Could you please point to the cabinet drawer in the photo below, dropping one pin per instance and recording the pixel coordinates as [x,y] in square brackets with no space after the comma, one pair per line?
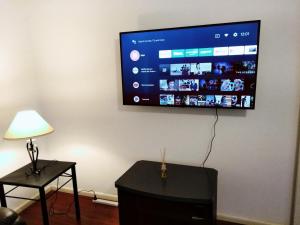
[150,218]
[192,213]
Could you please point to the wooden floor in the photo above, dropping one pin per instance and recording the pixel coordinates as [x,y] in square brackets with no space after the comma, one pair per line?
[91,214]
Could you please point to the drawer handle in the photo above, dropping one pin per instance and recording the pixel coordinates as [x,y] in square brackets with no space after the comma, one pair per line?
[197,218]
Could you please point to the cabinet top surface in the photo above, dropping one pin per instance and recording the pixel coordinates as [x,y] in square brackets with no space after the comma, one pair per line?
[185,183]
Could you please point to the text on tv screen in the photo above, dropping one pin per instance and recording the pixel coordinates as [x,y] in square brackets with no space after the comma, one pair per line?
[199,66]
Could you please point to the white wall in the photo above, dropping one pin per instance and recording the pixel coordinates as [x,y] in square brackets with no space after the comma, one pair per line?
[17,83]
[77,64]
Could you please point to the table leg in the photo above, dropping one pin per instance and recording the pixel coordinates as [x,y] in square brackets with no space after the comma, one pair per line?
[75,191]
[2,196]
[44,206]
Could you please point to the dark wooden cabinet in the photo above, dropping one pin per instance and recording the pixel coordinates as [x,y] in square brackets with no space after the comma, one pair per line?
[188,196]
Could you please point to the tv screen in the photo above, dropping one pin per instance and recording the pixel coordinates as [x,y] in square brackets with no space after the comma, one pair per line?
[200,66]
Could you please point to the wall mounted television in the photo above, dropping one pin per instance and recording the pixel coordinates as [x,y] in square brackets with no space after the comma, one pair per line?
[205,66]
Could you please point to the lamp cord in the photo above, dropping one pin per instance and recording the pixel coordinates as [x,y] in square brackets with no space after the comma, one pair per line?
[53,212]
[212,139]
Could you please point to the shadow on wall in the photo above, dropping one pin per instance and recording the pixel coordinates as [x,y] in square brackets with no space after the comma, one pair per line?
[295,212]
[166,20]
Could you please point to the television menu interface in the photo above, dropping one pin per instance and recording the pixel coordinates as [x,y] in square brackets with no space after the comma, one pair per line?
[202,66]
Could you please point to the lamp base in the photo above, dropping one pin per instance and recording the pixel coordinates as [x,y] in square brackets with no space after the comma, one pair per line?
[33,152]
[35,172]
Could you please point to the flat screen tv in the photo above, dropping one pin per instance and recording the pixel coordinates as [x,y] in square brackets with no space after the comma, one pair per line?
[204,66]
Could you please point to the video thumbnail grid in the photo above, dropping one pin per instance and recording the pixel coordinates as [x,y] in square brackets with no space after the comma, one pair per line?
[209,68]
[223,85]
[225,101]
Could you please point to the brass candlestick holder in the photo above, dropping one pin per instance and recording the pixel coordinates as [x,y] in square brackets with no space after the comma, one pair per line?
[163,169]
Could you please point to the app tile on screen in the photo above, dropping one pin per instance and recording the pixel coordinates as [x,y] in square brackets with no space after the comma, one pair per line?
[189,85]
[166,99]
[201,68]
[238,84]
[210,100]
[180,69]
[164,69]
[227,85]
[222,68]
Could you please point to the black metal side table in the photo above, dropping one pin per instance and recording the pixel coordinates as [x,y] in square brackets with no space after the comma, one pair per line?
[50,170]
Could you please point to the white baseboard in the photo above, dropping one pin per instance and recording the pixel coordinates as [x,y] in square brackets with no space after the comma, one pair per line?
[245,221]
[106,202]
[25,204]
[220,216]
[81,192]
[114,198]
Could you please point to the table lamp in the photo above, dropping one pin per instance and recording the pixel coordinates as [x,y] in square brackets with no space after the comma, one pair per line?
[27,125]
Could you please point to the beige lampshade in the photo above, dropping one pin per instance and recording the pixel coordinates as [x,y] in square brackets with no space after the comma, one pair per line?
[27,124]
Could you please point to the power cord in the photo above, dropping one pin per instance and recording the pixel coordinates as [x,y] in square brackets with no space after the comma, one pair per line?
[212,139]
[53,212]
[94,197]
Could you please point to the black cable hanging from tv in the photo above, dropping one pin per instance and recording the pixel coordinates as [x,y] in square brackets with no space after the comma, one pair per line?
[212,139]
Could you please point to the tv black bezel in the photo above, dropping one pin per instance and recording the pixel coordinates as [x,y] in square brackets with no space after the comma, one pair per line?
[187,27]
